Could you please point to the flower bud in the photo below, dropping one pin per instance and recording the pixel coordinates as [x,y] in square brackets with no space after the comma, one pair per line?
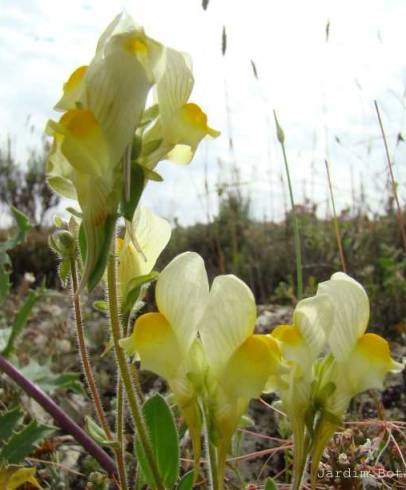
[63,243]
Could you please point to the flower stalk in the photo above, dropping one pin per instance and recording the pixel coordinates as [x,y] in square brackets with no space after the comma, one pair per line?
[88,373]
[124,370]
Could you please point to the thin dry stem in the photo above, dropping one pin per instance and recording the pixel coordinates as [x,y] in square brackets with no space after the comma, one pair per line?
[399,213]
[336,222]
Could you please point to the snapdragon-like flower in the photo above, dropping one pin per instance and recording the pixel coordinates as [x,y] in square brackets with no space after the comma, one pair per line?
[301,344]
[317,391]
[360,361]
[203,344]
[166,341]
[151,234]
[103,105]
[181,124]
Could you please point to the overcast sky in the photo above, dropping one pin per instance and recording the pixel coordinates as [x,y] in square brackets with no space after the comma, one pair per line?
[323,91]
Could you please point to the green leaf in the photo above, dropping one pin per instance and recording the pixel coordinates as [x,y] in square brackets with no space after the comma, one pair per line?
[8,422]
[149,115]
[97,241]
[23,443]
[186,482]
[137,184]
[21,318]
[151,146]
[49,381]
[134,289]
[98,433]
[23,226]
[150,174]
[101,305]
[164,440]
[270,484]
[4,336]
[64,271]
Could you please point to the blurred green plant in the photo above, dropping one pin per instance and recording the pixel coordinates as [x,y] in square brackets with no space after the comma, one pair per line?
[25,187]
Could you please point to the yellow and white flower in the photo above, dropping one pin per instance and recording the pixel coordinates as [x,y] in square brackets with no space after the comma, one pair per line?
[301,343]
[151,234]
[317,390]
[181,124]
[360,360]
[104,103]
[239,361]
[165,341]
[204,345]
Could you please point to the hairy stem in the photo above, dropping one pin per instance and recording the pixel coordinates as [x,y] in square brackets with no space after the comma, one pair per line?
[60,417]
[84,354]
[124,371]
[88,372]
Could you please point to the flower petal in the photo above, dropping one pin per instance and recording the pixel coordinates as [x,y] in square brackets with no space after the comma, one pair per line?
[73,90]
[369,363]
[247,371]
[118,81]
[313,317]
[228,321]
[174,83]
[152,234]
[156,343]
[181,293]
[351,313]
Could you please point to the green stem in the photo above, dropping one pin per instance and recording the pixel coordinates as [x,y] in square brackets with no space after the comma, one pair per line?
[211,454]
[298,253]
[88,373]
[132,397]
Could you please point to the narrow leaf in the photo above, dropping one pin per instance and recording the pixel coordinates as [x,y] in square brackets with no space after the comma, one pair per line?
[23,226]
[186,482]
[98,433]
[134,289]
[137,184]
[164,440]
[101,305]
[21,318]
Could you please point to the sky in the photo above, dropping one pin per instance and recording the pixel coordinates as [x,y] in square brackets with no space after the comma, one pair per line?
[322,89]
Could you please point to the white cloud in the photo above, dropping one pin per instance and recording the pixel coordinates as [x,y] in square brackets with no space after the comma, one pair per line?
[314,85]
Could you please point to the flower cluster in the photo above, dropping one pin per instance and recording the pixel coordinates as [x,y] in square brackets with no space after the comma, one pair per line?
[202,341]
[331,360]
[107,141]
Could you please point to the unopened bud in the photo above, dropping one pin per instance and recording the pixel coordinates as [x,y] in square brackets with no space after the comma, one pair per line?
[63,243]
